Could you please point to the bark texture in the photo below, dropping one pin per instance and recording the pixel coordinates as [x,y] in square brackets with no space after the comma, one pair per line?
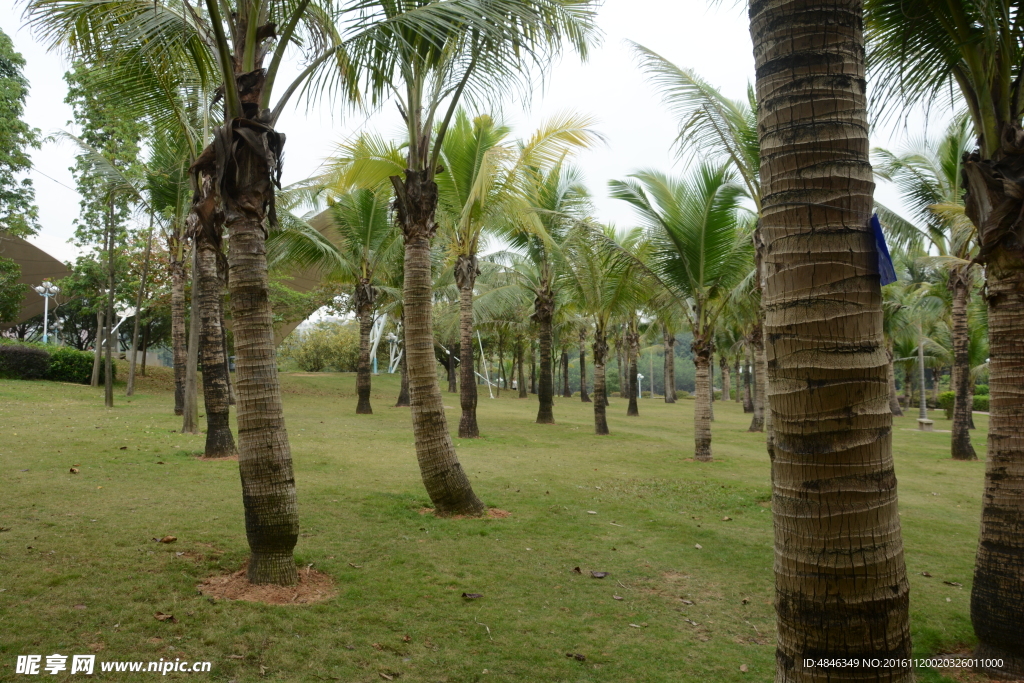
[566,391]
[443,476]
[737,378]
[726,380]
[178,338]
[584,396]
[748,396]
[403,393]
[220,443]
[190,416]
[756,342]
[632,351]
[522,371]
[702,401]
[670,367]
[466,271]
[994,204]
[97,357]
[544,310]
[365,294]
[894,399]
[841,588]
[963,404]
[453,385]
[600,348]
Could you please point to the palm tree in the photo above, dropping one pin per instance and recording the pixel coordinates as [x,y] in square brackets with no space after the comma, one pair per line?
[840,579]
[928,177]
[700,250]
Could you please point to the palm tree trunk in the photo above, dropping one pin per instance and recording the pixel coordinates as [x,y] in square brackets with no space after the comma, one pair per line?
[178,339]
[841,586]
[702,404]
[219,441]
[726,380]
[711,385]
[670,366]
[130,390]
[748,369]
[737,379]
[600,348]
[190,416]
[566,392]
[98,356]
[520,347]
[224,346]
[621,360]
[963,404]
[443,476]
[533,369]
[894,401]
[363,369]
[543,312]
[465,272]
[403,392]
[997,599]
[632,351]
[584,396]
[760,378]
[453,386]
[108,368]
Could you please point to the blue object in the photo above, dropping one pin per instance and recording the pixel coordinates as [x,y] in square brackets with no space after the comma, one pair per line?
[885,268]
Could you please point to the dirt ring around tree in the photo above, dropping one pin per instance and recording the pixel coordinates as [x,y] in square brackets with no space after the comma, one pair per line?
[314,586]
[492,513]
[232,458]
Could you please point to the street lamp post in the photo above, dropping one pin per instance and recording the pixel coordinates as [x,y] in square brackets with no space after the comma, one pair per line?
[640,386]
[46,290]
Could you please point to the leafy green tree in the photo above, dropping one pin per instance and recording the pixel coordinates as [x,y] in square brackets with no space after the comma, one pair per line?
[12,292]
[18,212]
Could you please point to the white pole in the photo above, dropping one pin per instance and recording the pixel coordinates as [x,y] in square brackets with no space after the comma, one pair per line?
[483,359]
[46,316]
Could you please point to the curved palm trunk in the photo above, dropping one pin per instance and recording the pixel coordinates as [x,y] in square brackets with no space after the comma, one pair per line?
[760,379]
[178,338]
[702,404]
[220,442]
[841,588]
[726,380]
[997,599]
[466,271]
[748,400]
[600,348]
[544,307]
[632,351]
[443,477]
[363,367]
[566,392]
[584,396]
[894,400]
[670,367]
[963,404]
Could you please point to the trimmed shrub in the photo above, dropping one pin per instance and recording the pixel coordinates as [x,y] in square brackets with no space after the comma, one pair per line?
[981,403]
[72,365]
[981,390]
[946,401]
[23,362]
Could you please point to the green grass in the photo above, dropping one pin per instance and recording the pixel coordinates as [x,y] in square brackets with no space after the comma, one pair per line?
[85,539]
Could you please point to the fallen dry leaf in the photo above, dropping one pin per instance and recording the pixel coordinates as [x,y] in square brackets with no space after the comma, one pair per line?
[591,512]
[4,528]
[161,462]
[472,596]
[687,602]
[406,639]
[79,606]
[698,546]
[96,647]
[743,668]
[577,657]
[377,646]
[236,656]
[355,566]
[73,470]
[692,622]
[577,570]
[926,574]
[636,625]
[168,539]
[744,601]
[123,448]
[599,575]
[160,616]
[953,583]
[726,519]
[616,597]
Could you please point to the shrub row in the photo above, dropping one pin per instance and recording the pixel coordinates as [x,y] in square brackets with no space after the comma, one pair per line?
[947,399]
[63,364]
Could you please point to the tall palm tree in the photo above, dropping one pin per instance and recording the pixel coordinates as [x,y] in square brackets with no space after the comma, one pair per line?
[841,587]
[701,248]
[928,177]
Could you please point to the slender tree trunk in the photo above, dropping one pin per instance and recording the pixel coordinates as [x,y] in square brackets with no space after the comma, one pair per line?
[443,476]
[220,442]
[178,339]
[622,361]
[108,365]
[533,369]
[566,391]
[145,348]
[224,345]
[632,351]
[922,396]
[737,380]
[669,341]
[403,393]
[364,308]
[908,387]
[760,379]
[997,599]
[466,271]
[726,380]
[450,367]
[702,404]
[543,312]
[190,417]
[97,358]
[138,310]
[841,588]
[963,404]
[600,348]
[748,400]
[520,347]
[711,385]
[894,401]
[584,396]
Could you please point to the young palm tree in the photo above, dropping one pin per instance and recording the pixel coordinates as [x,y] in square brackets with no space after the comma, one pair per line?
[700,250]
[841,587]
[928,177]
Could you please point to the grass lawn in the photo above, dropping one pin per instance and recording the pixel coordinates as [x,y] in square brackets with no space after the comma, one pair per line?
[80,573]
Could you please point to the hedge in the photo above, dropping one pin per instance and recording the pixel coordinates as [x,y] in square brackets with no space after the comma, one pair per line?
[981,403]
[64,364]
[981,390]
[946,401]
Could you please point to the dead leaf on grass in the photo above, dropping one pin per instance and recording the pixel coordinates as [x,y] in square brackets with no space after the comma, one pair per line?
[236,656]
[957,584]
[616,597]
[79,606]
[73,470]
[377,646]
[96,647]
[123,448]
[355,566]
[599,575]
[926,574]
[406,639]
[160,616]
[577,657]
[472,596]
[687,602]
[168,539]
[744,668]
[577,570]
[4,528]
[698,546]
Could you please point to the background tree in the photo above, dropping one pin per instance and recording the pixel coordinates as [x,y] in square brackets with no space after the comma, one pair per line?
[18,212]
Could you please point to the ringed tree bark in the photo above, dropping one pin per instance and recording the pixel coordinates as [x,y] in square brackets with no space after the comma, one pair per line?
[403,393]
[702,349]
[963,404]
[522,371]
[993,203]
[584,396]
[670,367]
[726,380]
[220,443]
[632,338]
[600,348]
[748,368]
[894,400]
[365,295]
[841,588]
[543,312]
[446,482]
[466,272]
[736,376]
[178,338]
[566,392]
[98,355]
[756,343]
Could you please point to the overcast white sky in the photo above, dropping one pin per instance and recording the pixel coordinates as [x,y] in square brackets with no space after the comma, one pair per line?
[639,132]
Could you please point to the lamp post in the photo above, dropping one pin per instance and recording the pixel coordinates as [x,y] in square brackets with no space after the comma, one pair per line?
[392,340]
[46,290]
[640,385]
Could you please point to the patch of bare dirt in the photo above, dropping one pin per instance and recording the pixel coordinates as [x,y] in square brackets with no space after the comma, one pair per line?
[232,458]
[313,586]
[492,513]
